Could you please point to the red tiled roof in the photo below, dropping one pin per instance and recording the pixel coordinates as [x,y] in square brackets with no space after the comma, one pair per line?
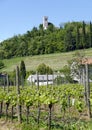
[87,61]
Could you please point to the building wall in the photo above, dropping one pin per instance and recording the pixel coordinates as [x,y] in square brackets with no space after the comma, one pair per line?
[45,22]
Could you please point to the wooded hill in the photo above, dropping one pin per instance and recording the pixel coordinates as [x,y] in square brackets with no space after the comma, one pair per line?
[68,37]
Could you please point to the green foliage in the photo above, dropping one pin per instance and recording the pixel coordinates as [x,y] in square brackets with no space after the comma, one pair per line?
[73,67]
[1,65]
[79,125]
[12,77]
[83,35]
[90,35]
[44,69]
[59,80]
[29,127]
[67,73]
[79,106]
[22,69]
[48,96]
[2,95]
[74,35]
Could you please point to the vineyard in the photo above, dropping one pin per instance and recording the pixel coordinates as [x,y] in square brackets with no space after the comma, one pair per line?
[65,106]
[43,106]
[61,107]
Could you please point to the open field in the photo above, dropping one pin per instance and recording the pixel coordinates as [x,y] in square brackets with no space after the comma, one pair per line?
[55,61]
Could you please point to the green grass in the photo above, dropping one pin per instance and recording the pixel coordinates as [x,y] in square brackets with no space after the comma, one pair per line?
[90,125]
[55,61]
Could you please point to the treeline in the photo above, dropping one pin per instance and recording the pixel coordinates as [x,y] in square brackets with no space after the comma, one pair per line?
[68,37]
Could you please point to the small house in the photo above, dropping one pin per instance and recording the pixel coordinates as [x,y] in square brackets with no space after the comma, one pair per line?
[42,79]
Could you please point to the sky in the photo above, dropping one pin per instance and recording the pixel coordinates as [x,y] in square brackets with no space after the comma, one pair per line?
[19,16]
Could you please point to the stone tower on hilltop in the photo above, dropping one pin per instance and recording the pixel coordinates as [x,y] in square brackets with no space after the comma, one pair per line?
[45,22]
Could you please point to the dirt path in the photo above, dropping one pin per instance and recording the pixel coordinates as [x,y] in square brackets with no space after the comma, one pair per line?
[7,125]
[3,125]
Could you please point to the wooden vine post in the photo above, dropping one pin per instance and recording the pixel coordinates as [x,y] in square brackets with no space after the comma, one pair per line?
[85,63]
[84,83]
[38,113]
[18,95]
[7,103]
[88,90]
[7,83]
[47,80]
[4,79]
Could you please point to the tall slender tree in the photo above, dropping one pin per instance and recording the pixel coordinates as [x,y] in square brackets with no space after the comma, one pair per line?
[22,72]
[77,37]
[68,40]
[90,35]
[83,35]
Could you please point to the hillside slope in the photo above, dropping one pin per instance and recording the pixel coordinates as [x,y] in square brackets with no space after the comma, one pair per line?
[72,36]
[55,61]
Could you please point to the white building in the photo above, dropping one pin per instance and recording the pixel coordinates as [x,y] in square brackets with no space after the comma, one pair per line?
[45,22]
[42,79]
[46,79]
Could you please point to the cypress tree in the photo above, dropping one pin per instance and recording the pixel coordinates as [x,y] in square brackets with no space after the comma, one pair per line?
[83,35]
[22,72]
[77,37]
[90,35]
[22,69]
[68,41]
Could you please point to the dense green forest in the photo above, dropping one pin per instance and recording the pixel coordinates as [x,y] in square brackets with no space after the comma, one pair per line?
[68,37]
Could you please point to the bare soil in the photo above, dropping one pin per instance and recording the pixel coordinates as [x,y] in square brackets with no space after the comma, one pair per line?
[6,125]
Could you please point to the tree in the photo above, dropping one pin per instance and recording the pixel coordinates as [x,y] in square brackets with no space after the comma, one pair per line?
[1,65]
[53,40]
[90,35]
[76,64]
[41,26]
[69,42]
[51,27]
[44,69]
[2,53]
[12,77]
[77,38]
[22,70]
[67,73]
[83,35]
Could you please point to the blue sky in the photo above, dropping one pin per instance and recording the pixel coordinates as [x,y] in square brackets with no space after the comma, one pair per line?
[19,16]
